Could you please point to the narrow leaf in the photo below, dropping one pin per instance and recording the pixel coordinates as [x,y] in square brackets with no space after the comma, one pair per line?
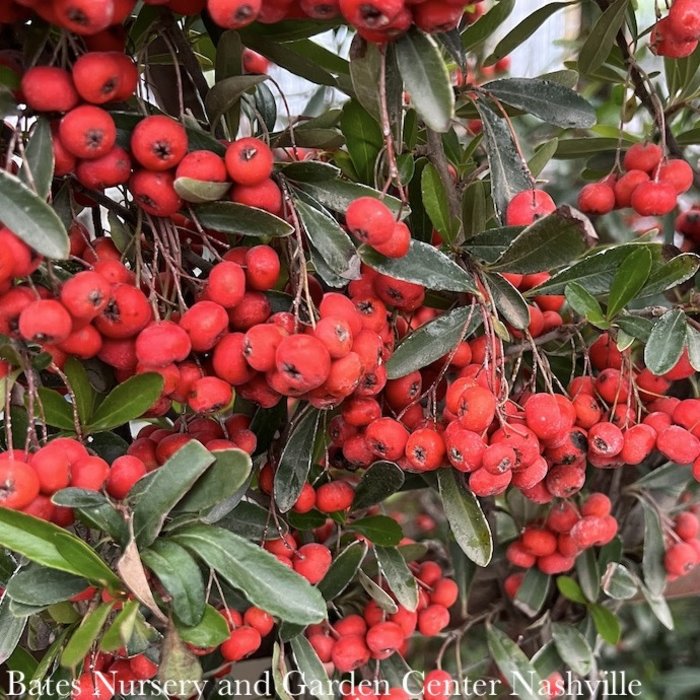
[240,220]
[379,482]
[629,280]
[666,342]
[127,401]
[311,668]
[602,37]
[398,576]
[84,636]
[343,570]
[513,664]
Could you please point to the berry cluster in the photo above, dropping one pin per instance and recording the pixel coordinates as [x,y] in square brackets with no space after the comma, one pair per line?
[650,184]
[683,545]
[676,35]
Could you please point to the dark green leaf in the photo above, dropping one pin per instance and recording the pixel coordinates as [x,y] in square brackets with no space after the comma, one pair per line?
[533,592]
[37,167]
[377,593]
[330,240]
[426,79]
[11,629]
[484,27]
[431,341]
[363,138]
[602,37]
[119,633]
[310,171]
[549,242]
[573,648]
[39,586]
[629,280]
[30,218]
[180,576]
[251,521]
[659,606]
[671,273]
[169,484]
[508,300]
[509,173]
[523,30]
[693,341]
[399,674]
[342,570]
[211,630]
[606,623]
[178,665]
[57,411]
[127,401]
[222,480]
[85,395]
[255,572]
[513,664]
[424,264]
[635,326]
[93,508]
[588,574]
[398,576]
[489,245]
[435,202]
[295,460]
[45,543]
[240,220]
[666,342]
[379,482]
[226,93]
[654,549]
[199,191]
[550,101]
[379,530]
[474,209]
[312,670]
[84,636]
[585,304]
[467,521]
[542,156]
[337,195]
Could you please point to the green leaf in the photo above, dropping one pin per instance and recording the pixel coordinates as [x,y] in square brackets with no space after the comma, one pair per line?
[57,410]
[337,195]
[30,218]
[169,484]
[251,521]
[255,572]
[423,264]
[426,78]
[41,587]
[659,606]
[399,674]
[342,570]
[11,629]
[363,139]
[211,630]
[619,583]
[585,304]
[550,101]
[543,154]
[666,342]
[379,530]
[474,209]
[127,401]
[606,623]
[508,300]
[312,670]
[549,242]
[200,191]
[295,460]
[467,521]
[654,549]
[431,341]
[485,26]
[573,648]
[600,41]
[179,574]
[533,592]
[588,574]
[179,668]
[226,93]
[46,543]
[636,326]
[85,395]
[119,633]
[85,636]
[398,576]
[221,481]
[693,341]
[240,220]
[379,482]
[377,594]
[509,173]
[435,202]
[570,589]
[330,240]
[93,508]
[513,664]
[38,164]
[671,274]
[524,30]
[629,280]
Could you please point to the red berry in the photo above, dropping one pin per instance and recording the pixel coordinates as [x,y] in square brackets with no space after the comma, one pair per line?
[249,161]
[643,156]
[528,206]
[654,198]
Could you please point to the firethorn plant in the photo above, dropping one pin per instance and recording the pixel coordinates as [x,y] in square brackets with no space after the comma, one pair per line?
[372,393]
